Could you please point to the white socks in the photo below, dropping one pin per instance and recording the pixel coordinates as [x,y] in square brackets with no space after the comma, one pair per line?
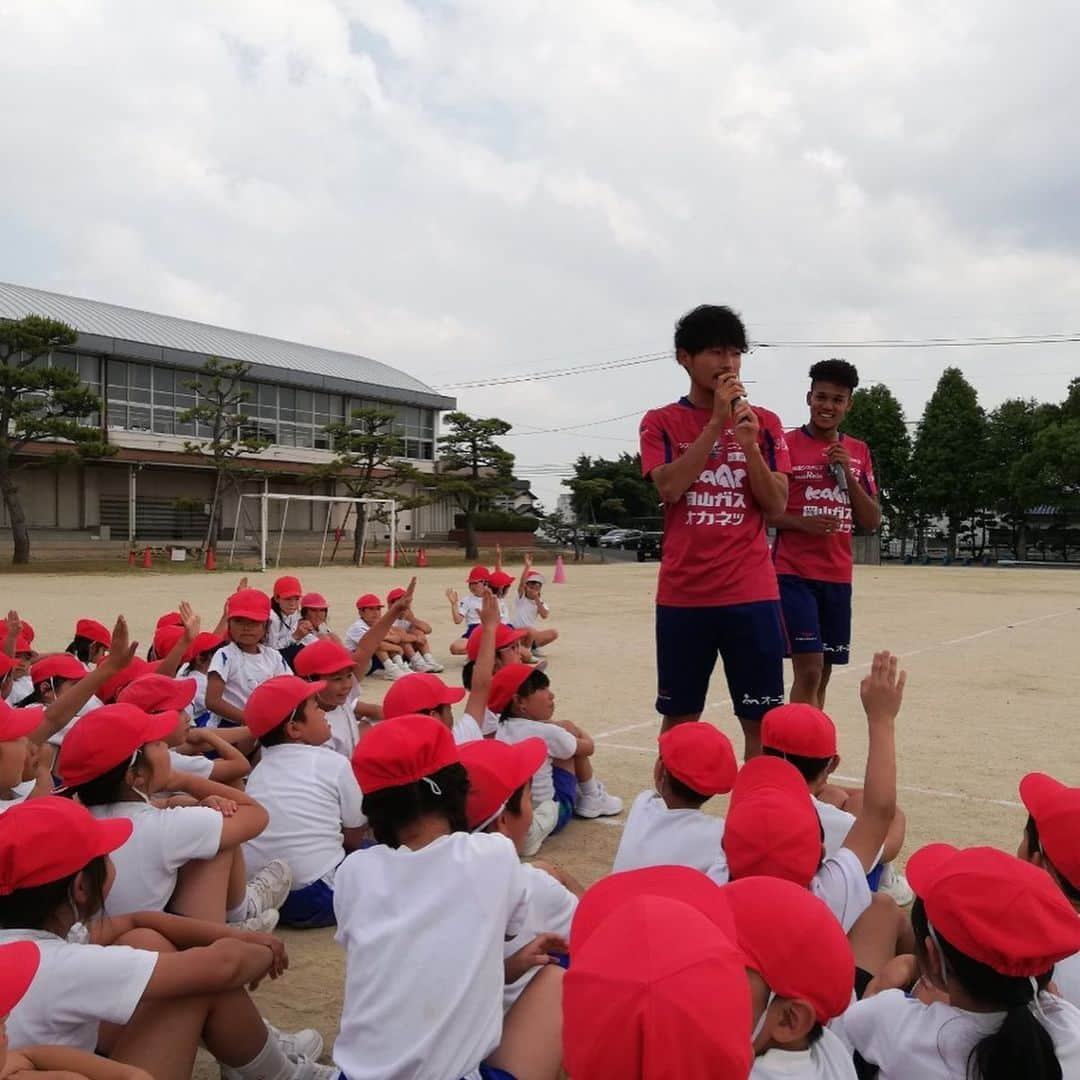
[589,787]
[270,1064]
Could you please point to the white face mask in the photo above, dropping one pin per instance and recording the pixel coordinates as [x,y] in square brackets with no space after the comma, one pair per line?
[761,1019]
[79,934]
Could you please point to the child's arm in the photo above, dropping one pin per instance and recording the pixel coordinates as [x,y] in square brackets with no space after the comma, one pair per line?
[484,668]
[373,640]
[169,664]
[231,764]
[882,693]
[56,1062]
[566,880]
[215,699]
[13,630]
[244,818]
[537,953]
[524,574]
[585,745]
[417,624]
[455,608]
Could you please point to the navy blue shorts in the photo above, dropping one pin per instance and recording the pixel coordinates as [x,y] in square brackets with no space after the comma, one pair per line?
[470,630]
[749,638]
[817,615]
[309,907]
[565,783]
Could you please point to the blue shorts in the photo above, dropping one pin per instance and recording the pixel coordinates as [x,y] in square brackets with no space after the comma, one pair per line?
[565,795]
[749,638]
[309,907]
[817,616]
[470,630]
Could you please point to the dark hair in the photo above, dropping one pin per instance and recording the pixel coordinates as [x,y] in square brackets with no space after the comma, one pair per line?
[815,1033]
[33,907]
[80,648]
[466,674]
[305,610]
[1021,1049]
[709,326]
[839,372]
[276,735]
[1067,887]
[809,767]
[684,792]
[513,804]
[105,789]
[536,680]
[391,809]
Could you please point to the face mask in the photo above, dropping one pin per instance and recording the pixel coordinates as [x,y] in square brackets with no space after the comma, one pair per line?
[79,934]
[761,1019]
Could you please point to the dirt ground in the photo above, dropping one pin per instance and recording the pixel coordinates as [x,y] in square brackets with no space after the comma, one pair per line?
[993,661]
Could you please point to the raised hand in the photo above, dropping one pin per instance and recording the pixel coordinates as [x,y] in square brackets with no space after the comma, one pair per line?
[192,622]
[882,691]
[402,604]
[452,596]
[489,611]
[123,649]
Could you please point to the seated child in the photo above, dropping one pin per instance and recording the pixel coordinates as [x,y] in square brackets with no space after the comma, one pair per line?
[430,889]
[308,790]
[91,642]
[499,582]
[530,610]
[143,989]
[989,929]
[386,658]
[412,633]
[467,609]
[16,725]
[315,610]
[52,676]
[505,645]
[1052,840]
[287,625]
[332,665]
[564,785]
[196,664]
[666,825]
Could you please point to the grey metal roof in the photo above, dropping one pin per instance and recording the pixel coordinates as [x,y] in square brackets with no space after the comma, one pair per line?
[128,332]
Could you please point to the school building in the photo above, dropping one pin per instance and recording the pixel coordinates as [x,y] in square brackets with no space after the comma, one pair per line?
[152,490]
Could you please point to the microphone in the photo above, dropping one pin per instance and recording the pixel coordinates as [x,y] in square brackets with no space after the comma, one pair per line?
[839,475]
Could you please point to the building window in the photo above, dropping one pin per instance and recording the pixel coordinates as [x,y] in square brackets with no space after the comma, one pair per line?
[413,425]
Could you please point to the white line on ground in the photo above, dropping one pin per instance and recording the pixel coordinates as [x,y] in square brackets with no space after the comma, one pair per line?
[937,793]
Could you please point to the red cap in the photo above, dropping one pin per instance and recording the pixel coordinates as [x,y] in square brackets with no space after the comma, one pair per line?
[1056,810]
[324,657]
[496,770]
[772,828]
[165,639]
[104,738]
[995,908]
[504,635]
[111,687]
[500,580]
[402,751]
[18,723]
[394,594]
[248,604]
[368,600]
[505,684]
[799,729]
[203,643]
[93,631]
[418,692]
[274,701]
[28,633]
[23,644]
[158,693]
[51,838]
[170,618]
[57,666]
[287,586]
[18,966]
[699,756]
[314,600]
[657,990]
[479,573]
[794,942]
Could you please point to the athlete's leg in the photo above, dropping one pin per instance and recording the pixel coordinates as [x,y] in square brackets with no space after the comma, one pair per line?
[685,658]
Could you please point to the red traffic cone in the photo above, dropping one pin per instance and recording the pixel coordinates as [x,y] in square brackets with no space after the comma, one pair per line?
[147,559]
[389,557]
[421,557]
[211,559]
[131,556]
[559,577]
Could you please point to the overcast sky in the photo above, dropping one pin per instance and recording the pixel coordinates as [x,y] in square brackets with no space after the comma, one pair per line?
[478,188]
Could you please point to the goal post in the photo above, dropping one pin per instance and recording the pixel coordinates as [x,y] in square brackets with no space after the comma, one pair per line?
[266,541]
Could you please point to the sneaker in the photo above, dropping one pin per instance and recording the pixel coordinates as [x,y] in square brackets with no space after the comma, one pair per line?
[599,805]
[300,1044]
[263,923]
[312,1070]
[417,663]
[433,665]
[894,884]
[269,888]
[391,672]
[538,652]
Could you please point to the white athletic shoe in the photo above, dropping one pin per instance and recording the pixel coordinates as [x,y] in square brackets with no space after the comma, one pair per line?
[307,1043]
[417,663]
[894,884]
[392,672]
[312,1070]
[269,888]
[263,923]
[599,805]
[433,665]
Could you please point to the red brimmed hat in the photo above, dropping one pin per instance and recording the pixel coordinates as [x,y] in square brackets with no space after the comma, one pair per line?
[49,839]
[496,770]
[165,639]
[418,692]
[250,604]
[500,579]
[1056,810]
[104,738]
[18,965]
[23,644]
[368,600]
[274,701]
[324,657]
[394,594]
[506,682]
[315,601]
[170,618]
[794,942]
[203,643]
[772,828]
[995,908]
[479,573]
[699,756]
[799,729]
[18,723]
[158,693]
[93,631]
[504,635]
[288,586]
[111,687]
[58,666]
[402,751]
[28,634]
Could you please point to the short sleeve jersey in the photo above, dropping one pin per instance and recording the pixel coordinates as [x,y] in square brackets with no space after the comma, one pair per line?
[243,671]
[716,552]
[814,492]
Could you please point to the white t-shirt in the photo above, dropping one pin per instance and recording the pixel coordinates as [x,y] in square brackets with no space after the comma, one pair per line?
[835,822]
[526,613]
[551,910]
[355,633]
[1066,978]
[469,606]
[21,688]
[908,1040]
[841,883]
[466,730]
[243,671]
[58,737]
[20,793]
[344,731]
[310,793]
[198,764]
[452,903]
[560,744]
[280,634]
[827,1059]
[656,836]
[161,843]
[76,988]
[198,702]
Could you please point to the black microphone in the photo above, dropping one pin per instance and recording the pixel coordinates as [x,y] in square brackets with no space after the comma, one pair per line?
[838,475]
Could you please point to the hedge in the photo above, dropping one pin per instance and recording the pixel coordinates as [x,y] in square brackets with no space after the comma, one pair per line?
[499,521]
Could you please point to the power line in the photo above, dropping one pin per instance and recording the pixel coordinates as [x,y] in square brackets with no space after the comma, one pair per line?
[558,373]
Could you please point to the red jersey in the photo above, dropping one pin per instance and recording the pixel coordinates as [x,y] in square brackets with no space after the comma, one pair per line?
[813,490]
[715,548]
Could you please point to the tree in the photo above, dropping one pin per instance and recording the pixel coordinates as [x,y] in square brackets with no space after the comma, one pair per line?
[949,459]
[613,489]
[366,461]
[472,469]
[39,404]
[219,401]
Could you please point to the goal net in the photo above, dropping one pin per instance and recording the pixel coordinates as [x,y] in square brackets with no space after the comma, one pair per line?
[335,527]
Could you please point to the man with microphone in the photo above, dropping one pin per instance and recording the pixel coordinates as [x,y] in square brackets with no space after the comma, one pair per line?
[832,491]
[719,465]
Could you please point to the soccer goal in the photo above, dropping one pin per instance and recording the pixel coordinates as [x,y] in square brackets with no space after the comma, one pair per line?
[381,513]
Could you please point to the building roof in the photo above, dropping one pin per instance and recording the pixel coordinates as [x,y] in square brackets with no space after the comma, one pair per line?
[128,332]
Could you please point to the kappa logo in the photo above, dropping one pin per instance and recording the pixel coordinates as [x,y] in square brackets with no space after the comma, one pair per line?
[723,476]
[831,494]
[748,700]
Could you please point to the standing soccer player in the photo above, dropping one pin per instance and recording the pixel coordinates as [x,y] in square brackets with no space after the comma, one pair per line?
[719,465]
[832,490]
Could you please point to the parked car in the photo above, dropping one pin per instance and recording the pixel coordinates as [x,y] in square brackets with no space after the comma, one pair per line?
[617,537]
[650,545]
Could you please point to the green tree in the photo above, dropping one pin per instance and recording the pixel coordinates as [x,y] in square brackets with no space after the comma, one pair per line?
[219,407]
[39,404]
[613,489]
[949,459]
[472,469]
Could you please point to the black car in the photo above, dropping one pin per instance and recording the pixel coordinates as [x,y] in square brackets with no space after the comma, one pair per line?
[650,545]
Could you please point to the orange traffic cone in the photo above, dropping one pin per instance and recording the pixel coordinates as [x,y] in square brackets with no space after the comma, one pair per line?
[389,557]
[559,577]
[211,559]
[147,559]
[421,557]
[131,556]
